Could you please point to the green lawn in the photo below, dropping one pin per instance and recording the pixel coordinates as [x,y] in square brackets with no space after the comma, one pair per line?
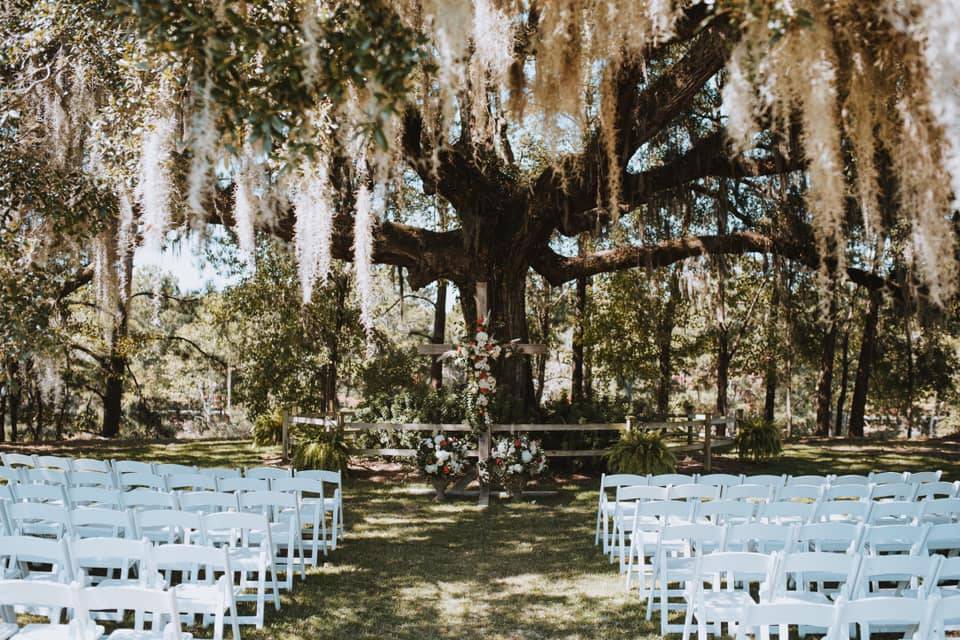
[412,568]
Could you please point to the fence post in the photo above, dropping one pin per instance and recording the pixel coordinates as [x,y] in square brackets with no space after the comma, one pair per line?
[483,454]
[707,446]
[630,420]
[286,434]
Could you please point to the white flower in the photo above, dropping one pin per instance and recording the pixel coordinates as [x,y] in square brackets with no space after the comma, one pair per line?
[429,443]
[482,337]
[516,468]
[526,456]
[438,438]
[430,468]
[533,446]
[442,455]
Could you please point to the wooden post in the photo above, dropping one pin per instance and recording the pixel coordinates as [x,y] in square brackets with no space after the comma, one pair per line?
[483,453]
[286,434]
[707,446]
[481,298]
[630,423]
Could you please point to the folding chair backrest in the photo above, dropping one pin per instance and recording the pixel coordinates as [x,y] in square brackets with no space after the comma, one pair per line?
[697,538]
[172,524]
[220,472]
[191,481]
[907,571]
[886,477]
[95,497]
[324,475]
[895,512]
[25,516]
[18,460]
[799,493]
[162,605]
[139,499]
[39,551]
[641,493]
[794,614]
[895,491]
[136,479]
[91,479]
[720,479]
[132,466]
[941,510]
[168,469]
[800,569]
[693,492]
[811,480]
[300,486]
[944,612]
[93,522]
[45,493]
[208,501]
[922,477]
[607,481]
[943,539]
[748,492]
[10,475]
[847,492]
[880,611]
[897,538]
[842,537]
[665,479]
[269,503]
[741,567]
[948,577]
[42,594]
[240,524]
[766,480]
[842,511]
[174,557]
[786,512]
[758,537]
[96,553]
[850,479]
[239,485]
[726,512]
[666,512]
[267,473]
[55,462]
[939,489]
[89,464]
[56,477]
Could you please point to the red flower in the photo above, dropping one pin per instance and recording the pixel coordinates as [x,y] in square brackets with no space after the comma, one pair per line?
[516,442]
[446,470]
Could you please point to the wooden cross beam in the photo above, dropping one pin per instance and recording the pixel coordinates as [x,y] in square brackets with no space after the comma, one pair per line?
[482,312]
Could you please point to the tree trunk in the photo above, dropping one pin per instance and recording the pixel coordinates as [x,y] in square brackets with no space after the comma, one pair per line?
[439,334]
[723,373]
[867,349]
[911,377]
[576,378]
[13,377]
[3,416]
[770,374]
[844,379]
[664,343]
[825,380]
[113,397]
[541,359]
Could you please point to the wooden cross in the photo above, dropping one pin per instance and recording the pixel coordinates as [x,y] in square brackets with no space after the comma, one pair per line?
[483,311]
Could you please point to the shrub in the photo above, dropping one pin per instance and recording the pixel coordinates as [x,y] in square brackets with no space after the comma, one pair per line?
[758,440]
[322,450]
[641,452]
[268,429]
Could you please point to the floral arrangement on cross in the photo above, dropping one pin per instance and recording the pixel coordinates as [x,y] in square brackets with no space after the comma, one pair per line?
[476,356]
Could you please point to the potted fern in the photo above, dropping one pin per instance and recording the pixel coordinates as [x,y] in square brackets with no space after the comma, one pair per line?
[758,440]
[320,449]
[641,452]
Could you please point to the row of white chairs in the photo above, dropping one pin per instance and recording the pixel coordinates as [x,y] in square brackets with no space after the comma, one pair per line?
[63,463]
[717,590]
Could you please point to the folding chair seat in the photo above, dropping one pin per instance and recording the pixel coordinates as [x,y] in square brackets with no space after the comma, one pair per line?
[938,489]
[23,556]
[56,477]
[250,551]
[52,598]
[842,511]
[943,539]
[815,576]
[759,618]
[786,512]
[693,492]
[850,479]
[121,467]
[808,480]
[730,576]
[309,494]
[605,508]
[91,522]
[894,539]
[95,497]
[191,482]
[725,512]
[18,460]
[240,485]
[754,493]
[887,477]
[940,510]
[648,519]
[206,586]
[137,480]
[758,537]
[895,512]
[675,562]
[161,605]
[267,473]
[830,537]
[902,491]
[881,614]
[720,479]
[332,503]
[923,477]
[168,469]
[140,499]
[39,519]
[40,493]
[901,576]
[625,505]
[54,462]
[93,479]
[169,526]
[286,531]
[799,493]
[89,464]
[667,479]
[860,492]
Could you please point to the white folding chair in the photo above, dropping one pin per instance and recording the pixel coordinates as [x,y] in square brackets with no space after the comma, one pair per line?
[54,462]
[208,501]
[832,537]
[200,591]
[725,512]
[944,617]
[667,479]
[40,493]
[267,473]
[161,605]
[92,522]
[11,475]
[887,477]
[137,480]
[894,538]
[941,510]
[730,576]
[624,508]
[282,511]
[758,537]
[18,460]
[939,489]
[815,576]
[168,469]
[720,479]
[121,467]
[140,499]
[240,485]
[901,576]
[52,598]
[649,518]
[895,512]
[948,578]
[309,493]
[674,562]
[95,497]
[191,482]
[786,512]
[799,493]
[112,562]
[219,473]
[903,491]
[94,479]
[923,477]
[809,480]
[881,614]
[605,508]
[860,492]
[39,519]
[89,464]
[943,539]
[749,493]
[247,556]
[23,556]
[850,479]
[332,503]
[169,526]
[693,492]
[842,511]
[57,477]
[758,619]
